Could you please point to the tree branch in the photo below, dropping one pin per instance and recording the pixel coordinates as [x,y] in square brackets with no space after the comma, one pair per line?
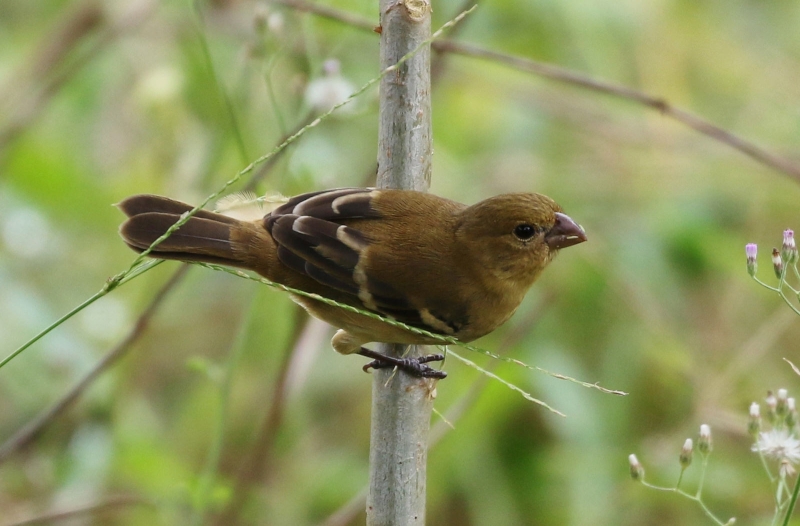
[402,404]
[661,105]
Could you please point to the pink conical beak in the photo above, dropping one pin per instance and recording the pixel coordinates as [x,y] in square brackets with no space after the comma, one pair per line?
[565,233]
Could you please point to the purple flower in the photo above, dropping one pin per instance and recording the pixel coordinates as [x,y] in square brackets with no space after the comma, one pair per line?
[751,250]
[789,248]
[788,238]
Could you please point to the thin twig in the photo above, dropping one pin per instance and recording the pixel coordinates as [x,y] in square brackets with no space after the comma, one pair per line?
[110,503]
[525,394]
[330,13]
[252,468]
[552,72]
[25,112]
[76,24]
[659,104]
[439,60]
[139,266]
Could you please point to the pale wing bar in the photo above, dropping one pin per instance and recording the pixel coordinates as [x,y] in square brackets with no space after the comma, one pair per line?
[312,241]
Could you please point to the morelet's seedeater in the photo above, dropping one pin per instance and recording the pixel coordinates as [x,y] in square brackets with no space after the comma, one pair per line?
[420,259]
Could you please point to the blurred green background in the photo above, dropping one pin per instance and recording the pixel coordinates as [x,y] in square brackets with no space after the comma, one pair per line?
[103,99]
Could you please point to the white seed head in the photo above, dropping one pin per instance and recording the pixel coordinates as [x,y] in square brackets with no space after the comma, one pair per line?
[686,453]
[779,444]
[704,443]
[637,470]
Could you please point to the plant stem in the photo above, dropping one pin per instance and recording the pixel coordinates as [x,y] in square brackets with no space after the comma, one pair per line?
[97,295]
[696,498]
[699,494]
[401,404]
[792,503]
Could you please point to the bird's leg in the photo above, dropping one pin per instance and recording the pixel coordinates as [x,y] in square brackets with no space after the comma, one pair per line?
[413,366]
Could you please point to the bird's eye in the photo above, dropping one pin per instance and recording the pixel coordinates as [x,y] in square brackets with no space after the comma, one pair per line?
[524,231]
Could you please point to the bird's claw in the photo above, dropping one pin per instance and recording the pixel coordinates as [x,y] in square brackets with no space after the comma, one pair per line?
[413,366]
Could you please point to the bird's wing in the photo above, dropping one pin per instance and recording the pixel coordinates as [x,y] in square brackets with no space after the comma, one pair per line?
[313,241]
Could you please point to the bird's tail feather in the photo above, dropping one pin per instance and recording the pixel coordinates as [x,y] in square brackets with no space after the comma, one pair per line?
[205,237]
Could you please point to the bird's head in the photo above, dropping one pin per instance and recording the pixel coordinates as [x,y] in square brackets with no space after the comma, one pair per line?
[514,236]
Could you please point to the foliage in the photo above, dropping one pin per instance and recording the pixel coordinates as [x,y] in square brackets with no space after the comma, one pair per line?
[172,98]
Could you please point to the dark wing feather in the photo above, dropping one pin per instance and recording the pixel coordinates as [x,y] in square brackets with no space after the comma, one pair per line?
[319,274]
[332,205]
[304,243]
[313,241]
[298,264]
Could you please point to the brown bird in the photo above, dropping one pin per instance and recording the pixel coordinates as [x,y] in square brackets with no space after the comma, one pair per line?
[426,261]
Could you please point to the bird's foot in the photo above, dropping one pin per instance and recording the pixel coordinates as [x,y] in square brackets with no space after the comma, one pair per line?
[413,366]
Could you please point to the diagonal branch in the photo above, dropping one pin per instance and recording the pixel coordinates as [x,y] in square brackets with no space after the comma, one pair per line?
[331,13]
[91,509]
[574,78]
[661,105]
[54,65]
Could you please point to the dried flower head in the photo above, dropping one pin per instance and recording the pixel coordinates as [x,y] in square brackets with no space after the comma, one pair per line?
[781,445]
[686,453]
[772,404]
[704,443]
[777,263]
[637,470]
[330,89]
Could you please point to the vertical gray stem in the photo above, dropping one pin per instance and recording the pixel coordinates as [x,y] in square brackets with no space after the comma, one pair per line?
[404,140]
[401,405]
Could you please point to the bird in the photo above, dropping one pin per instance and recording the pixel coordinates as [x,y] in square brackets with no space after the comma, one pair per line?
[423,260]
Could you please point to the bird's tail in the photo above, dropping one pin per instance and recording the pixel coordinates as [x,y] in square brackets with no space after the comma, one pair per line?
[206,236]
